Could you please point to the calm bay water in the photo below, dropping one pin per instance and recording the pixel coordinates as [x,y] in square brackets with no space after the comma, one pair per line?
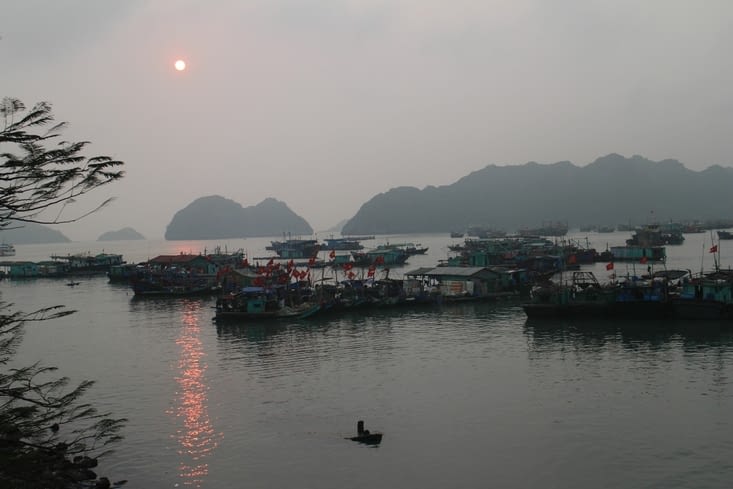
[467,395]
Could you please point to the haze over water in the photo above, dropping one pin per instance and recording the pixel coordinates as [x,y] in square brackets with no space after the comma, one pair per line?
[469,395]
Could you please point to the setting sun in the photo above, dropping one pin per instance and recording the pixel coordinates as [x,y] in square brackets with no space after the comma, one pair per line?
[180,65]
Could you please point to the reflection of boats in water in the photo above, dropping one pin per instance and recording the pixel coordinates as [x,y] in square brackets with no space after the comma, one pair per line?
[597,333]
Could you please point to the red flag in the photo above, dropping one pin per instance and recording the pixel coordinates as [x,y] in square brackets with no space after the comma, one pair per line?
[312,261]
[332,255]
[370,273]
[643,259]
[609,266]
[351,275]
[379,260]
[714,249]
[572,259]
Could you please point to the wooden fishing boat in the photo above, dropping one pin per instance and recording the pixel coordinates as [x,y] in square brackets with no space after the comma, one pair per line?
[584,296]
[365,436]
[252,303]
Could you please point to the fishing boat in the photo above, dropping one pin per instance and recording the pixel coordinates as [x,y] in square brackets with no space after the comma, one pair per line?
[653,235]
[365,436]
[584,296]
[408,248]
[725,235]
[386,257]
[708,296]
[640,254]
[341,244]
[151,281]
[250,303]
[88,263]
[295,248]
[158,286]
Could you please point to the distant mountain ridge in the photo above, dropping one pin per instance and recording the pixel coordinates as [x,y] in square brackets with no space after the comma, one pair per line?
[215,217]
[124,234]
[31,233]
[613,189]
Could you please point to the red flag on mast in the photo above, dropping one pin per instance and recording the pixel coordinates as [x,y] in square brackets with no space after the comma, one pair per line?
[714,249]
[609,266]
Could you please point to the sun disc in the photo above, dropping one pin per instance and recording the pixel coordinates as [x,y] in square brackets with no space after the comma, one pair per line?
[180,65]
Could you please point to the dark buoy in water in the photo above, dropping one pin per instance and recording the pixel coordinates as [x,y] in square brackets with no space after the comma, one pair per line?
[365,436]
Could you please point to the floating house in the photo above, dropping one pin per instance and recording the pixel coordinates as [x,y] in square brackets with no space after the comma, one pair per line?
[464,283]
[19,269]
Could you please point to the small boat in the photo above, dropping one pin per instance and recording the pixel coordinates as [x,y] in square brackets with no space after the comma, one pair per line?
[725,235]
[365,436]
[7,249]
[72,284]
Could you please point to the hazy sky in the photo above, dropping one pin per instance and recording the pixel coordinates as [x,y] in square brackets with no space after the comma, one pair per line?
[324,103]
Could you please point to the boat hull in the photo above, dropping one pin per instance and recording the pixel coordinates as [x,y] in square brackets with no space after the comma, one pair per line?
[702,309]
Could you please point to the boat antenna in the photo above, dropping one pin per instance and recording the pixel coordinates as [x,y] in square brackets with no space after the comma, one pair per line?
[702,257]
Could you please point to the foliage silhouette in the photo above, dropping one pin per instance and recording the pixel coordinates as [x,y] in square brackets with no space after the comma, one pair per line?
[49,438]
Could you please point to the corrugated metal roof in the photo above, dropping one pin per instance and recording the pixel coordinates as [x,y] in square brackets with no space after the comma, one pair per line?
[420,271]
[449,271]
[456,271]
[176,258]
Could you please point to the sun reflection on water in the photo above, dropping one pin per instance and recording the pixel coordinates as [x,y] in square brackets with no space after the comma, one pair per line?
[196,436]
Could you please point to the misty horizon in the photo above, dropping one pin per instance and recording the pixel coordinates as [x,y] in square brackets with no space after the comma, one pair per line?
[325,105]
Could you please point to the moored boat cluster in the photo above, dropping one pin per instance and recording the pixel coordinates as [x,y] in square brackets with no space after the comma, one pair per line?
[305,278]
